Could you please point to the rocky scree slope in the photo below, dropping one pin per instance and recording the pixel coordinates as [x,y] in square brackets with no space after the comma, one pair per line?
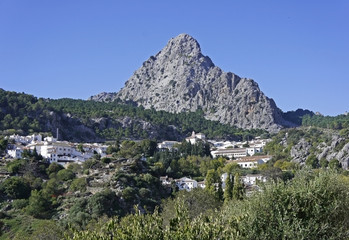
[180,78]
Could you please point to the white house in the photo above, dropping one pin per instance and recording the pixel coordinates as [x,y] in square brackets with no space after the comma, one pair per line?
[201,184]
[252,162]
[15,153]
[230,153]
[194,138]
[26,139]
[186,184]
[167,145]
[251,179]
[165,180]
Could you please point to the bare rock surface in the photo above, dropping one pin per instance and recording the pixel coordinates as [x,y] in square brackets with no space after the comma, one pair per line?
[180,78]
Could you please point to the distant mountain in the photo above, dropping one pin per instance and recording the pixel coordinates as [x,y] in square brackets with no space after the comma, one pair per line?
[181,79]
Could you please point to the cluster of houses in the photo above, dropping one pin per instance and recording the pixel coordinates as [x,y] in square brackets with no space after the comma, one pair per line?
[189,184]
[241,153]
[62,152]
[232,150]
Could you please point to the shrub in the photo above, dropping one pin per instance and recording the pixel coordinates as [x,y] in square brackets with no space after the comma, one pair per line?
[20,203]
[16,187]
[65,175]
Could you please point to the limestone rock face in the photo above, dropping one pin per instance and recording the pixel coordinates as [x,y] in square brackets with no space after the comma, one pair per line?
[180,78]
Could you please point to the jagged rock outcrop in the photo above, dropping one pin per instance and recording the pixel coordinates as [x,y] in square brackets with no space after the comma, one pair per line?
[336,148]
[180,78]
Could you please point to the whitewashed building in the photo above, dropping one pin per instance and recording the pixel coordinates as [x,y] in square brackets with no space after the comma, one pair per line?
[230,153]
[252,162]
[169,145]
[186,184]
[15,153]
[195,137]
[252,179]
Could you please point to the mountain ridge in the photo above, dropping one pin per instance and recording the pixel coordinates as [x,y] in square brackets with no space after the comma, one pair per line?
[180,78]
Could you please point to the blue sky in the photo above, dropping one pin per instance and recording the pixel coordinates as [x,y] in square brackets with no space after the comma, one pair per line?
[297,51]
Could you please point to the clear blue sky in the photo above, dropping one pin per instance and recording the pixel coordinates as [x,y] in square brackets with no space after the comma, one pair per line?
[297,51]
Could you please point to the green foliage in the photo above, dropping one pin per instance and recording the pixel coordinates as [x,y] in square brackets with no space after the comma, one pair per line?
[26,114]
[20,203]
[323,163]
[312,161]
[65,175]
[129,194]
[238,188]
[40,205]
[54,168]
[196,202]
[86,209]
[20,226]
[311,205]
[3,144]
[16,165]
[334,164]
[78,184]
[16,187]
[213,184]
[339,122]
[105,202]
[229,186]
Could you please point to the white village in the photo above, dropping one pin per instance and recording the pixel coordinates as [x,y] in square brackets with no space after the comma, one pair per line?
[245,154]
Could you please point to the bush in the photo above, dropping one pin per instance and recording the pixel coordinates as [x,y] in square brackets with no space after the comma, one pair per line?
[20,203]
[312,205]
[65,175]
[54,168]
[39,204]
[16,187]
[16,165]
[78,184]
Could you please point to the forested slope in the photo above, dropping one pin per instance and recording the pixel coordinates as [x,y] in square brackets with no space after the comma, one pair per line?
[81,120]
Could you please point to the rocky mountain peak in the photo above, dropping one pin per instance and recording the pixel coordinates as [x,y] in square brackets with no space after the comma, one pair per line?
[182,44]
[180,78]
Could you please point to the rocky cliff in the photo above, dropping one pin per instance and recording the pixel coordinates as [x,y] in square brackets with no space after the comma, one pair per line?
[180,78]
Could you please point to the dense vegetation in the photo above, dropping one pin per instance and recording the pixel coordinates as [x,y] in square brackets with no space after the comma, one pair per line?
[313,205]
[121,197]
[340,122]
[25,114]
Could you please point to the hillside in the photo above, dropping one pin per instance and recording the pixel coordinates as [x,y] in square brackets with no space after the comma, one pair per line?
[90,121]
[181,79]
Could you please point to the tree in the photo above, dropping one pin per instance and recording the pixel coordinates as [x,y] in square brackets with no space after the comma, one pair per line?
[334,164]
[3,145]
[65,175]
[105,202]
[39,204]
[238,189]
[210,181]
[213,184]
[323,162]
[80,147]
[54,168]
[229,186]
[148,147]
[198,201]
[312,161]
[16,187]
[314,205]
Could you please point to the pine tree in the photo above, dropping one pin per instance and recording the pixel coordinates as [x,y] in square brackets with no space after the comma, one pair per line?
[210,181]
